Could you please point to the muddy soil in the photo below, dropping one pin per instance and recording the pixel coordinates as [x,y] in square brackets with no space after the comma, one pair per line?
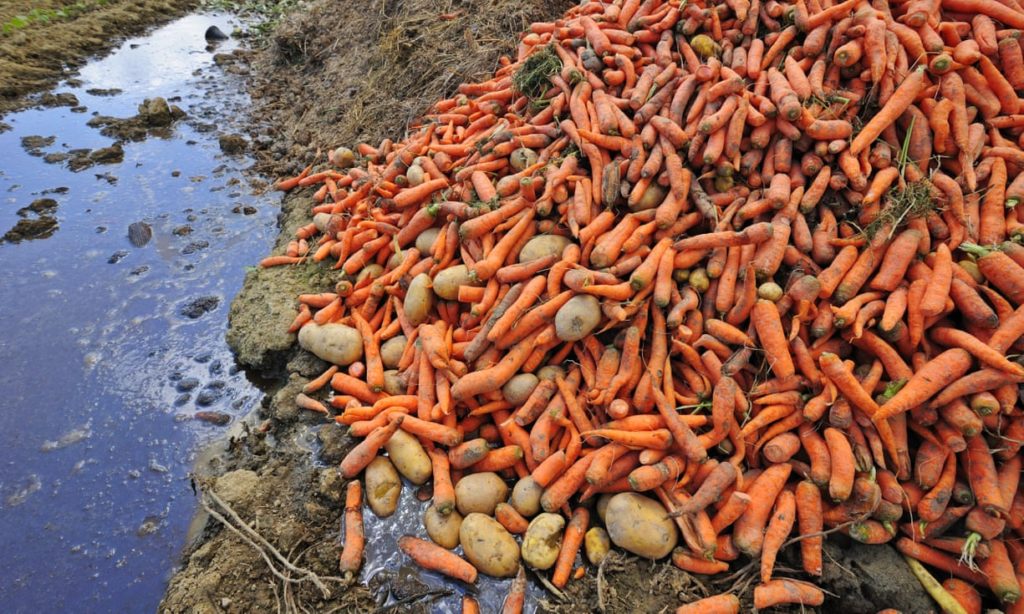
[361,79]
[44,41]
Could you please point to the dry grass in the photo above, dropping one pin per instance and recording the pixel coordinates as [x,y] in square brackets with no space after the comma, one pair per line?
[33,58]
[380,64]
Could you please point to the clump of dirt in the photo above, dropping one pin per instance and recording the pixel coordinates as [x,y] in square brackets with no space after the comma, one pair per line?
[366,76]
[38,221]
[37,53]
[155,117]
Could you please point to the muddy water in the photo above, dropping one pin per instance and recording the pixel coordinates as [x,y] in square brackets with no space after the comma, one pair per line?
[107,350]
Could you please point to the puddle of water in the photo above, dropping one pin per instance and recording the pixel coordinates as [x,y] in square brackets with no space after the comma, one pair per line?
[102,370]
[383,556]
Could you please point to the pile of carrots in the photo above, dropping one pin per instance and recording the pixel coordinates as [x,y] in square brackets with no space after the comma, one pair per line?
[800,222]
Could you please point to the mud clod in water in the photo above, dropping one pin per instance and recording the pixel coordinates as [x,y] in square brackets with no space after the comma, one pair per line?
[232,143]
[33,145]
[197,308]
[155,117]
[140,233]
[38,221]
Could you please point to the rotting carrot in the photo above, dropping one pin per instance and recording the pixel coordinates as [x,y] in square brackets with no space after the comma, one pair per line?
[435,558]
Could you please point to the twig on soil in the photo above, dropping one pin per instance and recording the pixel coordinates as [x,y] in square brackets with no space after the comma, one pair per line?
[266,549]
[551,587]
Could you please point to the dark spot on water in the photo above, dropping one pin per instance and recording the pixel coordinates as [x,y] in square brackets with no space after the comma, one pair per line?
[35,143]
[186,384]
[98,91]
[117,256]
[79,109]
[56,157]
[26,230]
[175,173]
[182,399]
[139,233]
[65,99]
[58,190]
[203,358]
[198,307]
[101,229]
[40,206]
[208,396]
[232,143]
[181,231]
[216,367]
[149,526]
[139,270]
[108,155]
[111,179]
[213,33]
[195,246]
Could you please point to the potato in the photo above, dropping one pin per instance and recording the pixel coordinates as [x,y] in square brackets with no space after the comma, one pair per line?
[488,546]
[549,372]
[393,383]
[391,351]
[770,291]
[596,544]
[480,492]
[373,271]
[526,496]
[639,524]
[578,317]
[602,505]
[409,457]
[344,157]
[522,158]
[415,175]
[518,389]
[418,299]
[383,487]
[442,529]
[543,245]
[650,199]
[543,540]
[447,282]
[425,241]
[336,343]
[320,220]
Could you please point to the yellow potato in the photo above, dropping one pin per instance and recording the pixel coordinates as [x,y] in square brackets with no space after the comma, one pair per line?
[526,497]
[488,546]
[409,457]
[443,529]
[518,389]
[419,298]
[596,544]
[383,487]
[578,317]
[480,492]
[391,351]
[543,245]
[543,540]
[447,281]
[336,343]
[640,525]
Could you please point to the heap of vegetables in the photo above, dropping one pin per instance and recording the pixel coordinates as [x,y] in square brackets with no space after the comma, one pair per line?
[755,259]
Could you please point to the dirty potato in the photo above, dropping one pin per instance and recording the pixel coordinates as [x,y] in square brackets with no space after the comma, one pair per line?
[543,540]
[391,351]
[639,524]
[419,298]
[596,544]
[447,281]
[518,389]
[578,317]
[409,457]
[383,487]
[526,497]
[543,245]
[488,546]
[336,343]
[442,529]
[480,492]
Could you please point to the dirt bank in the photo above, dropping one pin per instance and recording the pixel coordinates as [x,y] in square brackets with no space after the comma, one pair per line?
[317,87]
[43,41]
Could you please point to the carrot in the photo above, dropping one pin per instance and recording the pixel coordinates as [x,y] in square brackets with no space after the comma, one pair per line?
[981,472]
[779,528]
[429,555]
[926,382]
[779,592]
[726,603]
[748,531]
[366,450]
[511,519]
[765,317]
[964,594]
[902,98]
[572,539]
[999,571]
[351,558]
